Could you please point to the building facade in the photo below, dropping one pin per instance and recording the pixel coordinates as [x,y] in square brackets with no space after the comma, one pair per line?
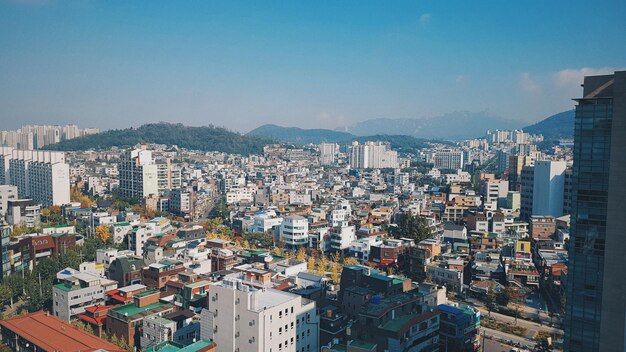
[39,175]
[596,287]
[548,187]
[244,318]
[75,293]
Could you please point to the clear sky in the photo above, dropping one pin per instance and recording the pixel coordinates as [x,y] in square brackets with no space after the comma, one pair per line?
[240,64]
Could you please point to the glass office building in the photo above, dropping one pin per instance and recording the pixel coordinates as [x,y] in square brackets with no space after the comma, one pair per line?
[595,281]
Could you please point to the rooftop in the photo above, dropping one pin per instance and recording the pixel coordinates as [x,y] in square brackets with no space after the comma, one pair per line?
[52,334]
[398,323]
[131,309]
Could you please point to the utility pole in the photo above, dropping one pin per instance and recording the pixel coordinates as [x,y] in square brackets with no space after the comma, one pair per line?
[483,342]
[40,288]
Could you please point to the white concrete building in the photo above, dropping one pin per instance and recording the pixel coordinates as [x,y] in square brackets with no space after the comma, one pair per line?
[240,194]
[266,221]
[373,155]
[342,236]
[7,192]
[23,212]
[294,231]
[78,292]
[328,153]
[39,175]
[138,174]
[495,191]
[243,318]
[548,187]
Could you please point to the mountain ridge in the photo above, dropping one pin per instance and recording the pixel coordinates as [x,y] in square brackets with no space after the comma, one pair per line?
[554,127]
[205,138]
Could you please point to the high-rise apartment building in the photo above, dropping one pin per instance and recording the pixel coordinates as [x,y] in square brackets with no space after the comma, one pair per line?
[516,163]
[596,286]
[526,184]
[548,187]
[42,176]
[328,153]
[138,174]
[449,159]
[241,317]
[38,136]
[373,155]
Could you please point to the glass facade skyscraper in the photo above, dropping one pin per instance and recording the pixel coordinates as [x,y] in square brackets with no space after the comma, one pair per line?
[595,282]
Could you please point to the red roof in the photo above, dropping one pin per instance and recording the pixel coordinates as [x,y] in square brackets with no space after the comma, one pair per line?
[53,334]
[92,320]
[98,308]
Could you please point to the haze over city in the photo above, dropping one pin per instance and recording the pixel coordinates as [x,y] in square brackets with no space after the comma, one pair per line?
[323,64]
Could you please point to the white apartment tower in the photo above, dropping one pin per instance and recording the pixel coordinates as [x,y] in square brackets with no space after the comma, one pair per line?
[328,152]
[43,176]
[138,174]
[373,155]
[548,187]
[244,318]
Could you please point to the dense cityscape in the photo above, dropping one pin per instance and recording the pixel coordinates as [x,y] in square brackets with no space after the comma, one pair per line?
[332,177]
[349,247]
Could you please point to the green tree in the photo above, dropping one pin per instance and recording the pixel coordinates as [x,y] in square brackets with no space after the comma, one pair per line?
[504,296]
[5,294]
[413,227]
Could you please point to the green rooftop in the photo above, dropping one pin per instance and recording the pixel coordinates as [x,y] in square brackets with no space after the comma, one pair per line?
[362,344]
[396,324]
[131,309]
[145,293]
[196,346]
[169,346]
[63,287]
[57,226]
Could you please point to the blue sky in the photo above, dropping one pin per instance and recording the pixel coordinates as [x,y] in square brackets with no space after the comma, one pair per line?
[240,64]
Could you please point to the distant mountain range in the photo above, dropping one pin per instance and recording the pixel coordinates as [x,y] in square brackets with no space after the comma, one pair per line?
[554,127]
[452,126]
[206,138]
[300,136]
[400,142]
[405,135]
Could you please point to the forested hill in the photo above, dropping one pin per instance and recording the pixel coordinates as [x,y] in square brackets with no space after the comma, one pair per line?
[206,138]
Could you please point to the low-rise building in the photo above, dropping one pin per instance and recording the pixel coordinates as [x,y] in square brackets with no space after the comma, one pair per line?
[243,318]
[459,327]
[125,322]
[72,296]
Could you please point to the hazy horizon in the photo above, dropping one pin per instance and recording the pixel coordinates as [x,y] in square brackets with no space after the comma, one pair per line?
[242,64]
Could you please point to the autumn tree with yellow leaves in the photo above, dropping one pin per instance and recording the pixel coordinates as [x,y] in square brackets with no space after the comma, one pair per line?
[103,233]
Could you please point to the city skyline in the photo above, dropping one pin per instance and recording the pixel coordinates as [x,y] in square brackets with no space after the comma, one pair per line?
[241,65]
